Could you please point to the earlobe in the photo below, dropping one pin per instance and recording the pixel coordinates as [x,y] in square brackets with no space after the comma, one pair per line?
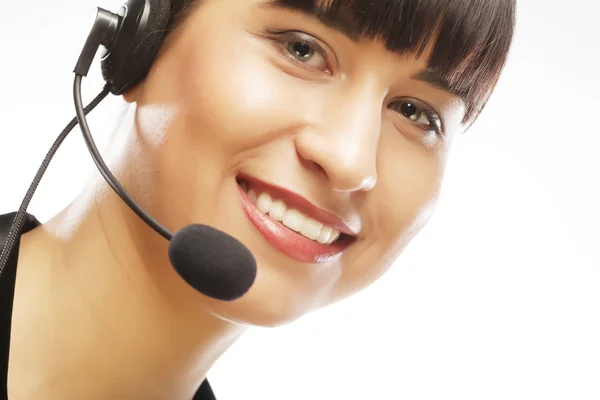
[131,95]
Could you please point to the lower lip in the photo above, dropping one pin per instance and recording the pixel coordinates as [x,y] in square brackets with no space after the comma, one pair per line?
[287,241]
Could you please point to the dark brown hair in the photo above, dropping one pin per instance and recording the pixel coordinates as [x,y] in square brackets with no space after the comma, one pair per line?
[471,38]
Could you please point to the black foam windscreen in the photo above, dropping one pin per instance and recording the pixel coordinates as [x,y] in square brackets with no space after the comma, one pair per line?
[212,262]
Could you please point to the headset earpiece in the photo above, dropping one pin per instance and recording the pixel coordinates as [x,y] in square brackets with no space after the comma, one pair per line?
[141,33]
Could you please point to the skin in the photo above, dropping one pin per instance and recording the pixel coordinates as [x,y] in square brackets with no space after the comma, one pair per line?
[98,308]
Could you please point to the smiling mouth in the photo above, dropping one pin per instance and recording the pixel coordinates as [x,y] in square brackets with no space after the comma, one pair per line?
[300,235]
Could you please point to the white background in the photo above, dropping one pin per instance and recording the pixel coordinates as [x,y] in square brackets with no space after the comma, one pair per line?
[499,298]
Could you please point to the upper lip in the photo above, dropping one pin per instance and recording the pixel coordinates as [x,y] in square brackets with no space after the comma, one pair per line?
[296,201]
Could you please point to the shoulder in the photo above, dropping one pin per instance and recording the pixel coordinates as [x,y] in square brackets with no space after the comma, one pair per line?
[6,221]
[205,392]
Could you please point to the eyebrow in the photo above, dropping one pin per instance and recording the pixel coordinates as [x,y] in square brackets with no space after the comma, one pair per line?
[311,10]
[335,22]
[435,80]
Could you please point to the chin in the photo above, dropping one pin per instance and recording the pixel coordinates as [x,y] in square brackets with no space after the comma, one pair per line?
[261,308]
[283,292]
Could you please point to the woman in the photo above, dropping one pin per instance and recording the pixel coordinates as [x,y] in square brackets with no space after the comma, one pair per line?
[315,132]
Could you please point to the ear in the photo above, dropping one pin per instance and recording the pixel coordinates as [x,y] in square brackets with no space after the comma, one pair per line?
[131,95]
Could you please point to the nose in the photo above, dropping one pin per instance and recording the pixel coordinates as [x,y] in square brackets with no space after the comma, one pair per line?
[343,145]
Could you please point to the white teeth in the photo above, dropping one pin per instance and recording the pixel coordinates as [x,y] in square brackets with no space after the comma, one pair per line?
[277,210]
[324,235]
[335,234]
[292,218]
[252,195]
[311,228]
[263,202]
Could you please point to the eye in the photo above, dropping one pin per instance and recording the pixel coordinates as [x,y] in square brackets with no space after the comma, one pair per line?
[419,114]
[303,50]
[413,112]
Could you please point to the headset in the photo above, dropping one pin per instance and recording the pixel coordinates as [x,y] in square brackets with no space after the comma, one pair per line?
[131,40]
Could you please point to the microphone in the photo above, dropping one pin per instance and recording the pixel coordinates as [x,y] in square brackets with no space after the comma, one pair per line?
[210,261]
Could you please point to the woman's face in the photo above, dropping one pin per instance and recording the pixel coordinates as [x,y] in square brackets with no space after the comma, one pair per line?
[323,155]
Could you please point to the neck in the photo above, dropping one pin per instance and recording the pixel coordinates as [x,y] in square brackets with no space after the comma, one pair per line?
[99,311]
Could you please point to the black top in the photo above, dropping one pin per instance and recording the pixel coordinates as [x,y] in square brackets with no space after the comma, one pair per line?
[7,289]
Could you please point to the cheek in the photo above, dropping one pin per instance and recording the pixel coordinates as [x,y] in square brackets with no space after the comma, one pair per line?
[399,206]
[410,178]
[408,192]
[234,97]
